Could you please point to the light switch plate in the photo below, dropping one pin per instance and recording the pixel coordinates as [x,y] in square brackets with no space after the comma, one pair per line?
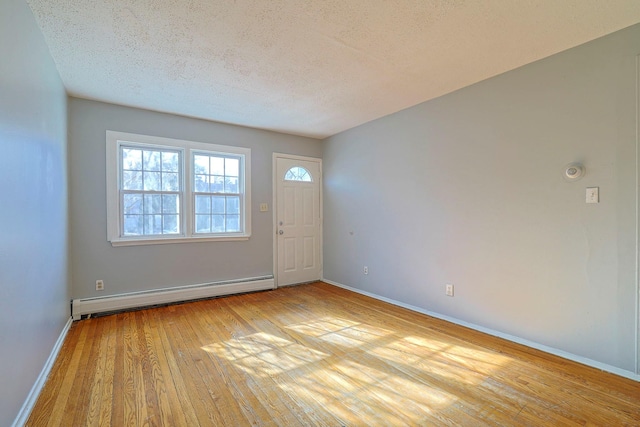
[264,207]
[593,195]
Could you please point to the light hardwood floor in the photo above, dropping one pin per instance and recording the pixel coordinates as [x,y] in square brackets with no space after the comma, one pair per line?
[314,355]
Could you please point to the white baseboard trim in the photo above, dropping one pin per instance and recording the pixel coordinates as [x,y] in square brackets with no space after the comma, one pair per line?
[29,403]
[566,355]
[86,306]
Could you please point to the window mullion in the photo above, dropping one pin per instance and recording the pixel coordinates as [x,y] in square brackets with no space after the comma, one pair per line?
[149,192]
[186,182]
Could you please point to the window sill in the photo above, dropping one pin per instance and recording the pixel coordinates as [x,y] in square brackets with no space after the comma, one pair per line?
[180,239]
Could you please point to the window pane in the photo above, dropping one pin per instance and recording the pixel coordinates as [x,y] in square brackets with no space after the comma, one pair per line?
[201,183]
[203,205]
[289,176]
[152,203]
[231,185]
[201,164]
[218,205]
[203,224]
[170,204]
[233,223]
[131,180]
[298,173]
[232,167]
[217,166]
[131,159]
[218,224]
[233,205]
[169,181]
[132,225]
[170,161]
[151,181]
[217,184]
[132,204]
[152,224]
[151,160]
[170,224]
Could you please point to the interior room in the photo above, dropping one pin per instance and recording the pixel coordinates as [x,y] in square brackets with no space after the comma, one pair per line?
[463,170]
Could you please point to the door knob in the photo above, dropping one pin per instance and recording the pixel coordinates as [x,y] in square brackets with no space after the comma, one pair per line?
[281,232]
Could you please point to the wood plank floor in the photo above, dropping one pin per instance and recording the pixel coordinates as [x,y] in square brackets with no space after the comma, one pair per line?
[315,355]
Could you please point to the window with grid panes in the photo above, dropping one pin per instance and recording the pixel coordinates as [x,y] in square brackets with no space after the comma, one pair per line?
[150,191]
[216,182]
[161,190]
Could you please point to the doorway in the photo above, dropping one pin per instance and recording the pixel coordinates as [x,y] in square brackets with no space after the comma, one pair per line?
[298,219]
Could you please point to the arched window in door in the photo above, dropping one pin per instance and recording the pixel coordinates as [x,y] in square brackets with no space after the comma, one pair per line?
[298,173]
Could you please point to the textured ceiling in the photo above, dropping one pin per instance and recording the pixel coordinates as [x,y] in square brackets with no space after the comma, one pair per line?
[311,68]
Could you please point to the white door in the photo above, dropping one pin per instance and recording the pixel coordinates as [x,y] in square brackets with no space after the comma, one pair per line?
[297,182]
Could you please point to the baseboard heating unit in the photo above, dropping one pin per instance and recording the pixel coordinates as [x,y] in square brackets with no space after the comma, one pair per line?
[89,306]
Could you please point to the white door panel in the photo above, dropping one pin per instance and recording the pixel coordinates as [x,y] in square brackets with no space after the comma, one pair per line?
[289,254]
[297,221]
[309,252]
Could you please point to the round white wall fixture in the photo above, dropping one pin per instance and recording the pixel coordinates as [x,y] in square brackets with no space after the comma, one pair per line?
[573,172]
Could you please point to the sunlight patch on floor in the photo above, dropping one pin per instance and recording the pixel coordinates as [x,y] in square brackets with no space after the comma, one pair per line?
[365,370]
[403,386]
[351,389]
[454,362]
[340,332]
[263,354]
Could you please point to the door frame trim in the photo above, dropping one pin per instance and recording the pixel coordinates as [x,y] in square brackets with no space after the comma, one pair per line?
[274,211]
[637,225]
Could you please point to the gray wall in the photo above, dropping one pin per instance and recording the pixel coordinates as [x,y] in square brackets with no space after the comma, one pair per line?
[34,285]
[467,189]
[136,268]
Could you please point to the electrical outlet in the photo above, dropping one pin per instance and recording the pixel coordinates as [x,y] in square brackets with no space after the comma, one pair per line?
[99,285]
[365,270]
[449,290]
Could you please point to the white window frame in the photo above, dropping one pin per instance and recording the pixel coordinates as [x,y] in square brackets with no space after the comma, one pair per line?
[114,218]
